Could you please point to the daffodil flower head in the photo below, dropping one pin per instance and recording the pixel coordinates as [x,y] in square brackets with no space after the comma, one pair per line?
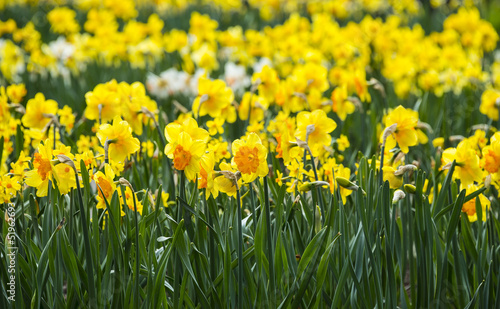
[250,158]
[38,110]
[213,97]
[43,170]
[490,103]
[186,154]
[315,127]
[405,134]
[206,176]
[229,180]
[470,207]
[105,186]
[122,142]
[467,167]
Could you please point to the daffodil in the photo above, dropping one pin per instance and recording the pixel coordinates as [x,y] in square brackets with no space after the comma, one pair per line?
[164,198]
[250,158]
[38,111]
[206,177]
[268,82]
[405,134]
[190,126]
[227,182]
[122,143]
[66,117]
[215,126]
[470,207]
[129,200]
[467,163]
[43,170]
[18,168]
[103,103]
[320,127]
[220,149]
[105,186]
[340,105]
[186,154]
[65,177]
[395,181]
[491,155]
[9,187]
[213,97]
[16,92]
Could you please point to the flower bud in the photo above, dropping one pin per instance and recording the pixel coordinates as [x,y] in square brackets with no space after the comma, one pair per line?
[398,195]
[410,188]
[388,131]
[405,168]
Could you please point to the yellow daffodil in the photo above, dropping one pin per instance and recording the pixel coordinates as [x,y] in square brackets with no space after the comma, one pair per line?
[105,186]
[467,163]
[250,158]
[490,103]
[42,171]
[215,126]
[344,172]
[213,97]
[268,82]
[129,200]
[9,187]
[491,155]
[470,207]
[16,92]
[340,105]
[190,126]
[206,177]
[321,126]
[104,100]
[405,134]
[395,181]
[38,111]
[225,184]
[186,154]
[120,133]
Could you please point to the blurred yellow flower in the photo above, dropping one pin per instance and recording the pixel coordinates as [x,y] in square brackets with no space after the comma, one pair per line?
[62,20]
[38,111]
[490,103]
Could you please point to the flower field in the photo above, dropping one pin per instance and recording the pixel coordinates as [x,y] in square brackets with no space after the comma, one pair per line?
[249,154]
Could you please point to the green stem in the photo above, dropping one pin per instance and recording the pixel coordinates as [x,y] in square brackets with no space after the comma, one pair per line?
[211,244]
[270,255]
[240,251]
[252,205]
[177,261]
[137,264]
[319,196]
[88,251]
[380,176]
